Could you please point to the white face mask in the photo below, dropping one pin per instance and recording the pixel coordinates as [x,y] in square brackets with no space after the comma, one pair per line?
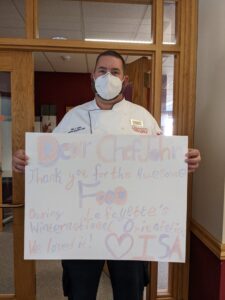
[108,86]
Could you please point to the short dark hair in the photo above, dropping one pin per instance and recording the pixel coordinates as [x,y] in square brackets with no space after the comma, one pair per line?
[111,53]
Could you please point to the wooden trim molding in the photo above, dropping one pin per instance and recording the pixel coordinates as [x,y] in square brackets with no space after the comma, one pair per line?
[146,2]
[208,240]
[31,19]
[1,210]
[7,296]
[22,121]
[20,65]
[82,46]
[6,62]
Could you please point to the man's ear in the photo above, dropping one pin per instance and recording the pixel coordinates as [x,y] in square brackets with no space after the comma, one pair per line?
[125,80]
[93,83]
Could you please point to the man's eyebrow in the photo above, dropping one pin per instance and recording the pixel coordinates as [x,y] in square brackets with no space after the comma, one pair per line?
[115,69]
[105,68]
[101,67]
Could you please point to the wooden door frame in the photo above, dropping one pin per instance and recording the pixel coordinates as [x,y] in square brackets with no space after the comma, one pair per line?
[1,209]
[184,100]
[20,66]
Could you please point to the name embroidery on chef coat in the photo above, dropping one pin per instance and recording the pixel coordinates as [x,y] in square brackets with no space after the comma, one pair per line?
[138,126]
[76,129]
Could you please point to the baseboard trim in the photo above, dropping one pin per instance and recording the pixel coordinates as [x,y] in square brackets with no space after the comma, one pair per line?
[208,240]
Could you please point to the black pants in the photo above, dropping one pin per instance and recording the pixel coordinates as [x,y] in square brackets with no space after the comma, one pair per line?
[81,279]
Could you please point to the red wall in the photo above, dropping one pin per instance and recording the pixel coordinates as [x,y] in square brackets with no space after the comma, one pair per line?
[222,280]
[207,273]
[65,89]
[62,89]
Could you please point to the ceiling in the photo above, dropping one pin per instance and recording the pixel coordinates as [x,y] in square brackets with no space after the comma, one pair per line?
[79,20]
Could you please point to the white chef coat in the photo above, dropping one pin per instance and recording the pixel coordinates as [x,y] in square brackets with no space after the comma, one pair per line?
[124,118]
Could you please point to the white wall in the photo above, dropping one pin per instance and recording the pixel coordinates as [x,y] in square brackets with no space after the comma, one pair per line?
[208,192]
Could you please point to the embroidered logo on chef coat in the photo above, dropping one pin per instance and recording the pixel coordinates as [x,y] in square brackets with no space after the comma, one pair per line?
[138,126]
[76,129]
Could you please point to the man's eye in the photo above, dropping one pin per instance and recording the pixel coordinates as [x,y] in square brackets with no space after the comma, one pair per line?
[115,73]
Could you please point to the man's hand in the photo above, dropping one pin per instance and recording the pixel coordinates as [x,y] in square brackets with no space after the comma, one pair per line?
[19,161]
[193,158]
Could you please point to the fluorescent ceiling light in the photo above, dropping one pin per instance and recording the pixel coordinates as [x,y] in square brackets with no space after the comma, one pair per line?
[118,41]
[59,38]
[66,57]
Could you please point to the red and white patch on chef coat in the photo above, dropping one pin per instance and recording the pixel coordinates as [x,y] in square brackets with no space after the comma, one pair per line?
[140,129]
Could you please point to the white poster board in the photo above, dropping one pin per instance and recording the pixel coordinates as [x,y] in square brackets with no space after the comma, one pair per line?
[105,197]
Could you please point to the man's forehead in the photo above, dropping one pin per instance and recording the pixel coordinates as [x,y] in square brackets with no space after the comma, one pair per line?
[109,62]
[107,67]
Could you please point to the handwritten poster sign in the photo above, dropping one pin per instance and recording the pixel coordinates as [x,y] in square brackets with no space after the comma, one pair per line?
[105,197]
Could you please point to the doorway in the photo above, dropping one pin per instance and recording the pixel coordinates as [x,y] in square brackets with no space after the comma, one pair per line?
[18,61]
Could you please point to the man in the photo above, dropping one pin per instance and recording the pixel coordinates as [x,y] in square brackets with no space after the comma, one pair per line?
[109,112]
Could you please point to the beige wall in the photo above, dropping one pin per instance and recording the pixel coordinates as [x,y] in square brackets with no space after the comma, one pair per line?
[208,191]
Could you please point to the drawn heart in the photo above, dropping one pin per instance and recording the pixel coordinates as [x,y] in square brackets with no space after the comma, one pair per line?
[119,246]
